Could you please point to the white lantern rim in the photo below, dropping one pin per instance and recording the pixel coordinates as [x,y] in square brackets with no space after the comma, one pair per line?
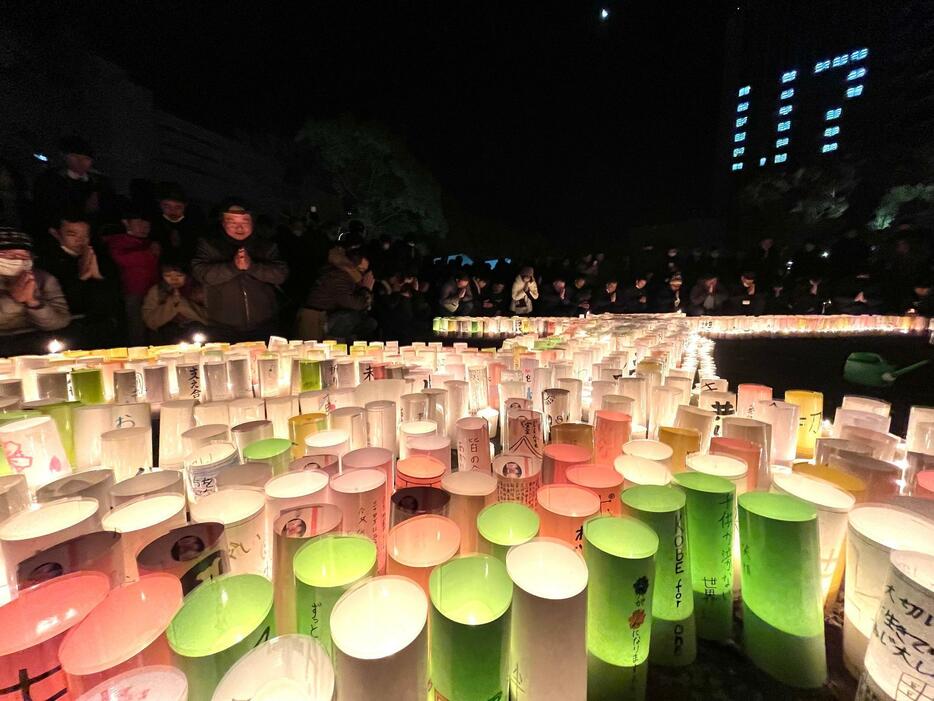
[725,466]
[547,568]
[823,495]
[568,500]
[443,543]
[296,484]
[358,481]
[469,483]
[230,506]
[143,512]
[170,682]
[47,518]
[648,449]
[892,528]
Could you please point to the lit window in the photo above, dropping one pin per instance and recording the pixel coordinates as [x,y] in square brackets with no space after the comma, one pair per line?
[855,91]
[789,76]
[786,94]
[741,122]
[833,114]
[841,60]
[785,109]
[739,136]
[831,131]
[743,91]
[779,143]
[763,161]
[742,107]
[737,152]
[827,148]
[821,66]
[780,157]
[784,126]
[859,54]
[856,74]
[737,166]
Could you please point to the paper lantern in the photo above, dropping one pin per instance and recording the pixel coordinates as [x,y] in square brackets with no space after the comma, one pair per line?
[710,509]
[289,666]
[563,508]
[95,484]
[156,382]
[246,474]
[636,389]
[294,489]
[292,529]
[437,447]
[602,480]
[409,502]
[896,664]
[783,622]
[203,465]
[924,484]
[156,682]
[88,385]
[558,457]
[832,505]
[470,492]
[620,556]
[674,638]
[414,407]
[549,595]
[810,412]
[141,521]
[14,495]
[90,422]
[246,410]
[729,468]
[279,410]
[215,382]
[176,417]
[682,441]
[302,426]
[748,431]
[211,413]
[915,437]
[250,432]
[242,511]
[503,525]
[869,404]
[193,554]
[328,441]
[556,409]
[620,403]
[351,420]
[518,478]
[749,453]
[851,418]
[34,626]
[33,448]
[361,497]
[99,551]
[419,471]
[473,444]
[470,601]
[324,569]
[663,407]
[125,631]
[380,635]
[126,386]
[875,531]
[218,623]
[747,397]
[416,545]
[689,417]
[30,531]
[783,418]
[126,451]
[381,424]
[275,452]
[611,431]
[649,450]
[825,447]
[882,479]
[640,471]
[147,484]
[577,434]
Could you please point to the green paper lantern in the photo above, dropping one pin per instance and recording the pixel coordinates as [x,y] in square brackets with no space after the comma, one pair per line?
[710,508]
[783,621]
[310,375]
[88,385]
[470,605]
[502,525]
[275,452]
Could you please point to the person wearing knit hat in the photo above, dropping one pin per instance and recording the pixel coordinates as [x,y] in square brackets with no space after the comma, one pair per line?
[29,298]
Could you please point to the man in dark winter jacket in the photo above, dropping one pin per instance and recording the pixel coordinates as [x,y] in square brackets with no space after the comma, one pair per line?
[240,273]
[345,293]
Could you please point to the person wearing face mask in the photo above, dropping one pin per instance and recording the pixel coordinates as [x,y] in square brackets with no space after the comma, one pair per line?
[137,258]
[241,273]
[173,309]
[29,298]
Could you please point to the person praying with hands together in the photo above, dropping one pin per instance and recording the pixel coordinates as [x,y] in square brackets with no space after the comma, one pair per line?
[29,298]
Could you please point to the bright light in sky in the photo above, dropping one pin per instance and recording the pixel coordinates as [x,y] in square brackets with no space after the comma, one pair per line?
[604,14]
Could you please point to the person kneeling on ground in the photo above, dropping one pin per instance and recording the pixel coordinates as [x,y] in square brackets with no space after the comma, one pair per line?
[29,298]
[173,309]
[344,294]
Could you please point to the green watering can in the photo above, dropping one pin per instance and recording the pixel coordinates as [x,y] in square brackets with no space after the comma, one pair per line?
[872,370]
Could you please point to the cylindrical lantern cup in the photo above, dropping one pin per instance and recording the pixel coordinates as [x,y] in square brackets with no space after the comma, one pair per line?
[127,386]
[649,450]
[289,666]
[503,525]
[883,480]
[381,424]
[674,639]
[352,421]
[127,630]
[602,480]
[275,452]
[751,434]
[91,422]
[99,551]
[302,426]
[368,458]
[724,466]
[380,634]
[95,484]
[409,430]
[641,472]
[810,413]
[127,451]
[748,396]
[556,408]
[176,417]
[141,521]
[437,447]
[783,611]
[156,382]
[473,444]
[147,484]
[897,665]
[33,448]
[14,495]
[30,531]
[749,453]
[361,496]
[663,407]
[417,545]
[470,602]
[518,478]
[279,410]
[620,556]
[419,471]
[710,508]
[917,436]
[334,441]
[692,417]
[203,466]
[783,418]
[563,508]
[414,407]
[152,682]
[290,531]
[682,442]
[295,489]
[34,626]
[548,645]
[558,457]
[246,474]
[88,385]
[611,430]
[470,492]
[249,432]
[220,622]
[577,434]
[324,569]
[874,532]
[242,511]
[193,554]
[410,502]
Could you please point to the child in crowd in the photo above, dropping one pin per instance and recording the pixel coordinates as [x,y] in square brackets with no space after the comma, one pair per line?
[174,308]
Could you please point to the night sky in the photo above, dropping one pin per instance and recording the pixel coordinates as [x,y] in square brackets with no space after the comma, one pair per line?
[535,115]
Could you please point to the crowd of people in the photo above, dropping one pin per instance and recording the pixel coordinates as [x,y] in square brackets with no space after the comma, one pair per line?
[151,269]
